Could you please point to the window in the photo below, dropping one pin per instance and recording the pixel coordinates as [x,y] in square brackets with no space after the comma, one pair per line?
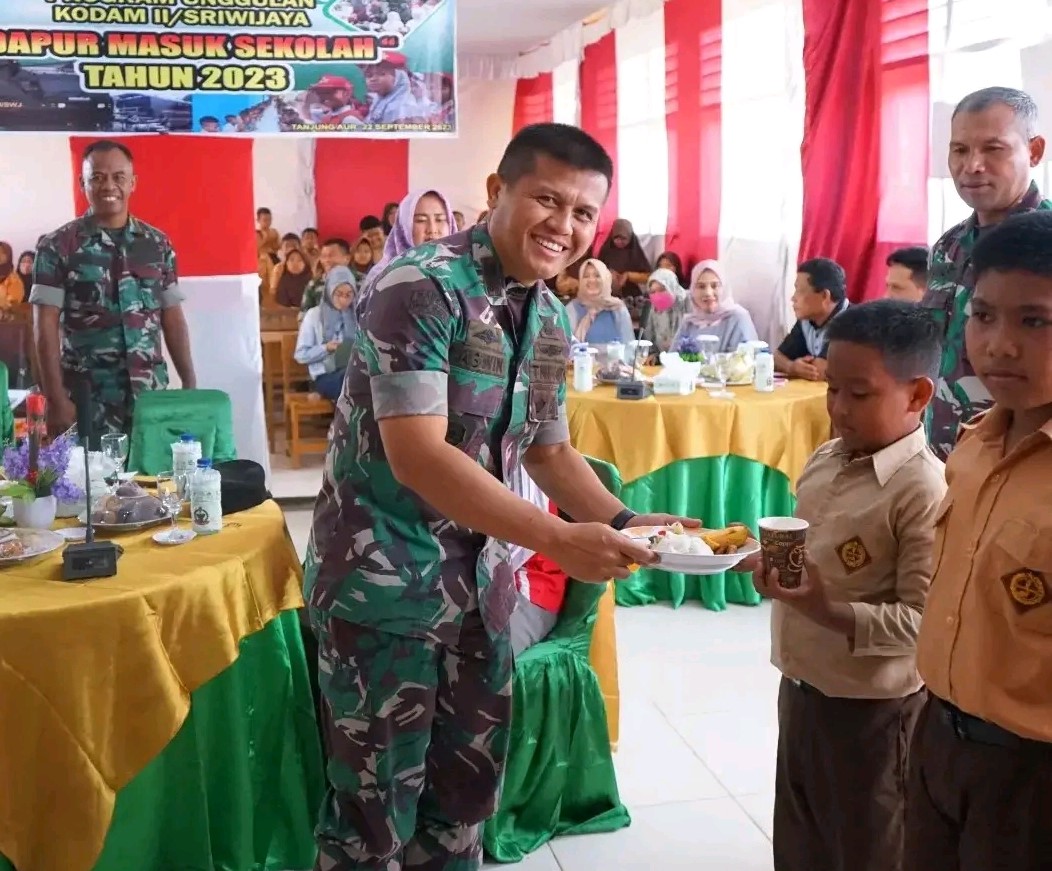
[566,101]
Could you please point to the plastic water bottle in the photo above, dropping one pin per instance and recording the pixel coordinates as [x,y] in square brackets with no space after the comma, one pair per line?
[583,371]
[185,454]
[763,371]
[206,499]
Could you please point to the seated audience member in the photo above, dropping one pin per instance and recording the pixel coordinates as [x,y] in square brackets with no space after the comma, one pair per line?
[309,245]
[540,583]
[713,312]
[460,220]
[267,241]
[671,260]
[293,280]
[289,242]
[564,285]
[361,259]
[623,254]
[907,274]
[668,300]
[820,294]
[327,332]
[596,315]
[12,290]
[372,228]
[389,218]
[335,252]
[845,639]
[25,271]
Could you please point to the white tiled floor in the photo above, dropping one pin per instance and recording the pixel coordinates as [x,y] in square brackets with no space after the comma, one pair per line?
[695,763]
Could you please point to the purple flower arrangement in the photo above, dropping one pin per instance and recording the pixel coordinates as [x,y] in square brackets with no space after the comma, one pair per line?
[49,476]
[689,349]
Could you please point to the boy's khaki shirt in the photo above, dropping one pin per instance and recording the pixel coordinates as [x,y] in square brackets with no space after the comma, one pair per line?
[986,642]
[871,537]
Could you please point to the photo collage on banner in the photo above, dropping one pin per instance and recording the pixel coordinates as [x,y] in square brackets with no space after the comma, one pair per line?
[259,67]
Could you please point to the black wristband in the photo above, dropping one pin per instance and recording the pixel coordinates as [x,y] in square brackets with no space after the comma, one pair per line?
[623,519]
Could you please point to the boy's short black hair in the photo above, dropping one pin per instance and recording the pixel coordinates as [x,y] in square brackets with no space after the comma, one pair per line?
[209,119]
[290,237]
[307,230]
[826,274]
[562,142]
[263,210]
[1021,243]
[906,334]
[915,259]
[369,222]
[337,242]
[101,146]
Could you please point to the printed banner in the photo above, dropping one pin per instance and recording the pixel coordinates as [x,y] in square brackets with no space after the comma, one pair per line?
[249,67]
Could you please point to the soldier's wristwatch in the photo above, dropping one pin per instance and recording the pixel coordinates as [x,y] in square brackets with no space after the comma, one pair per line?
[623,519]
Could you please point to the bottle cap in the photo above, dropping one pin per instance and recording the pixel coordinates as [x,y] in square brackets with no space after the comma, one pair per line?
[186,437]
[204,464]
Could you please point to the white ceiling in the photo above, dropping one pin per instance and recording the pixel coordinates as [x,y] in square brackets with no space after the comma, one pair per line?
[510,27]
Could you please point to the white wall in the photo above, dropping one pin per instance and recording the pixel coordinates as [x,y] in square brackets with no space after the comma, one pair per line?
[283,175]
[35,177]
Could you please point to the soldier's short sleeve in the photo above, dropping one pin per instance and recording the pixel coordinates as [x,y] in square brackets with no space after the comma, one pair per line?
[49,275]
[171,293]
[404,338]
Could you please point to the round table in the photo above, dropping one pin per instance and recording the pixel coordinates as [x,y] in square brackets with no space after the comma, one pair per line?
[161,717]
[717,459]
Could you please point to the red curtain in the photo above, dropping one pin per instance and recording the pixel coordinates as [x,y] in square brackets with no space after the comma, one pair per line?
[841,150]
[905,133]
[533,101]
[599,112]
[356,177]
[693,63]
[196,189]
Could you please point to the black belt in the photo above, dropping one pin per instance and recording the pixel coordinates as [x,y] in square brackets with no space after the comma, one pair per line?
[969,728]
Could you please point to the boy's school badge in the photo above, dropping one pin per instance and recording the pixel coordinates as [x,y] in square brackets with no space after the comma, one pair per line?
[1027,588]
[853,555]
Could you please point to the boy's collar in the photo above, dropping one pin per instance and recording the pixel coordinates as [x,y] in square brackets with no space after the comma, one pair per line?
[992,425]
[888,460]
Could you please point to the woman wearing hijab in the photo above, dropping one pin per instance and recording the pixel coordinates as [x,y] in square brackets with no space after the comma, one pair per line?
[389,218]
[361,259]
[713,312]
[668,300]
[423,216]
[293,281]
[628,263]
[327,332]
[25,271]
[671,260]
[597,316]
[12,291]
[565,284]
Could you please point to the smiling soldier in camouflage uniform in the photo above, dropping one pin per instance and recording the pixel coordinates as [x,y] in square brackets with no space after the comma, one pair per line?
[107,284]
[993,147]
[458,377]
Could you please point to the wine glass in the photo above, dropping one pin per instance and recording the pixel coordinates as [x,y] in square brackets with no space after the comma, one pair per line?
[115,448]
[169,492]
[721,365]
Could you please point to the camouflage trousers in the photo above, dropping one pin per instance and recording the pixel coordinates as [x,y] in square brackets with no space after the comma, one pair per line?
[416,735]
[112,401]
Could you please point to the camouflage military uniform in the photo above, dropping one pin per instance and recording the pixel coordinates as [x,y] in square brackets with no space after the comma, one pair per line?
[959,394]
[312,294]
[412,610]
[111,286]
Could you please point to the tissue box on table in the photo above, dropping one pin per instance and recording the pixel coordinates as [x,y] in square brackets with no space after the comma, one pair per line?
[677,378]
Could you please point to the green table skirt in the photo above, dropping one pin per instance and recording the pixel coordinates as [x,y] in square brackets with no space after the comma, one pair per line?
[239,786]
[719,490]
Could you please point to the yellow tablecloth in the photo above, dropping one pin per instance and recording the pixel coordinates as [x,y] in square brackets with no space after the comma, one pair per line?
[95,678]
[779,429]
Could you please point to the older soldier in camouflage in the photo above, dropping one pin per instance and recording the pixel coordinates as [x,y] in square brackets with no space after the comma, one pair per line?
[458,377]
[107,284]
[993,146]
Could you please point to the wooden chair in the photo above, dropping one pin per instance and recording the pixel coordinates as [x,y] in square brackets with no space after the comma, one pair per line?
[275,323]
[307,415]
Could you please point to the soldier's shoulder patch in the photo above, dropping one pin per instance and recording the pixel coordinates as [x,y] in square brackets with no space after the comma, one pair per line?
[853,555]
[1027,588]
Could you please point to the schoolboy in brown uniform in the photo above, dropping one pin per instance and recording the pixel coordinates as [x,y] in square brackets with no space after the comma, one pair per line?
[980,783]
[845,640]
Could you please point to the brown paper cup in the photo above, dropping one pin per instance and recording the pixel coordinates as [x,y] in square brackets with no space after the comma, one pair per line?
[782,540]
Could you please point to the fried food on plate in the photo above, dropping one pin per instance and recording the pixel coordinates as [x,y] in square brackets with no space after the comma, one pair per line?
[725,541]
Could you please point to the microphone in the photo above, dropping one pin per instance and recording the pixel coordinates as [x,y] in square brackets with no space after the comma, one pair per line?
[88,559]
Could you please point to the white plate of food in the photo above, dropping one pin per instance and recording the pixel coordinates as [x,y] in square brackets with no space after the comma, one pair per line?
[697,551]
[23,545]
[128,509]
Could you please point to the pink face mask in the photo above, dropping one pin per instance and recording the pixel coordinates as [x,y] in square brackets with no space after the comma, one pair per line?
[662,301]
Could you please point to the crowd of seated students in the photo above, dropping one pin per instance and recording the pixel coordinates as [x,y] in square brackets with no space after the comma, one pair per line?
[16,278]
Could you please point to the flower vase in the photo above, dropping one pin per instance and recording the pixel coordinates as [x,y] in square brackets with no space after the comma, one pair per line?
[38,513]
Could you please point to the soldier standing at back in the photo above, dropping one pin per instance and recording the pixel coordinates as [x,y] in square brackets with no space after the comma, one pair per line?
[104,293]
[457,380]
[993,146]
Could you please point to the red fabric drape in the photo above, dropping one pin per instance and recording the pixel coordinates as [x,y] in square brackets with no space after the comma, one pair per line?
[196,189]
[533,101]
[840,155]
[905,134]
[693,65]
[356,177]
[599,112]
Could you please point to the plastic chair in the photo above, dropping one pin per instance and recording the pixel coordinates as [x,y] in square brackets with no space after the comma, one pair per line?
[7,417]
[161,416]
[560,777]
